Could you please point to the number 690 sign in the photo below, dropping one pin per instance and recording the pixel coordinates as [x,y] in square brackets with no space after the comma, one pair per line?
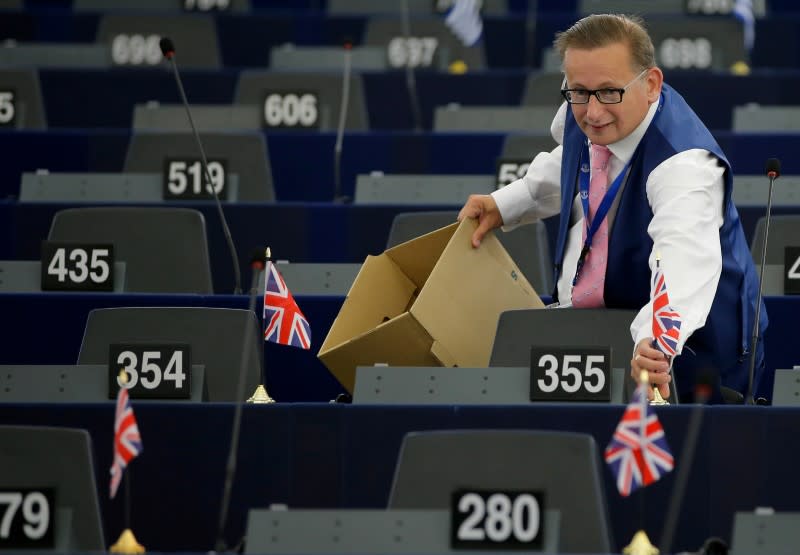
[570,374]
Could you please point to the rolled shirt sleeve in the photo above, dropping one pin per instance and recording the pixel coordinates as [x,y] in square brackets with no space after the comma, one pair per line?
[686,195]
[537,194]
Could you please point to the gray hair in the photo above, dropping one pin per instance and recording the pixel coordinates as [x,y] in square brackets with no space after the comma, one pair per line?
[595,31]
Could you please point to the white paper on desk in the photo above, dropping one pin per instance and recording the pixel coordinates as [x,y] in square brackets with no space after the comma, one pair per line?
[559,305]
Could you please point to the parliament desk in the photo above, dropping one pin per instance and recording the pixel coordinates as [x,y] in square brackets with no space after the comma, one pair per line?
[343,456]
[47,328]
[295,231]
[86,98]
[302,163]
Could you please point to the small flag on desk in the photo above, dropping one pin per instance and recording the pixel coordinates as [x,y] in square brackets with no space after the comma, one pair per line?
[666,320]
[638,452]
[743,11]
[464,20]
[127,441]
[284,323]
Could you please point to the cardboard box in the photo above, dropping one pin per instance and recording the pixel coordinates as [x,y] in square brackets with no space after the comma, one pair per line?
[432,301]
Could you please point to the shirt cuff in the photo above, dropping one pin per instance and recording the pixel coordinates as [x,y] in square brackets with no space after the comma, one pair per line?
[511,201]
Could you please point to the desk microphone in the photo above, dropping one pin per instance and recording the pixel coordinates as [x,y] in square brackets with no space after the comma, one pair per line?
[411,83]
[257,264]
[773,171]
[168,50]
[702,393]
[337,149]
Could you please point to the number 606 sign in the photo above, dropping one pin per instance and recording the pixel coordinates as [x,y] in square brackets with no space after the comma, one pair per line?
[570,374]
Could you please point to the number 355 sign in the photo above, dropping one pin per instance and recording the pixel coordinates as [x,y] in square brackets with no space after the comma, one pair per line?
[570,374]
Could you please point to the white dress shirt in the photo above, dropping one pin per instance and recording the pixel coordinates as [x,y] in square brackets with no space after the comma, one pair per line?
[685,193]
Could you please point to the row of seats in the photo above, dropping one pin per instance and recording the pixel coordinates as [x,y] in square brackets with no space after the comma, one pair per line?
[215,338]
[311,101]
[153,265]
[362,7]
[204,41]
[367,7]
[141,186]
[291,167]
[297,375]
[297,232]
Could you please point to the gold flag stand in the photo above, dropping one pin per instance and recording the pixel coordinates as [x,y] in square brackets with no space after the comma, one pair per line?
[657,398]
[640,545]
[127,544]
[260,396]
[127,541]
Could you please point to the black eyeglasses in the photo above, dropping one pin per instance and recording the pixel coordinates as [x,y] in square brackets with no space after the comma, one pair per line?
[604,96]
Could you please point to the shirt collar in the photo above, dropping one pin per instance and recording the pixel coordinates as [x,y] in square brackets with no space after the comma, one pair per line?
[624,148]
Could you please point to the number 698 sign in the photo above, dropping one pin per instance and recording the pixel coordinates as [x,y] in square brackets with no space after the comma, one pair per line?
[570,374]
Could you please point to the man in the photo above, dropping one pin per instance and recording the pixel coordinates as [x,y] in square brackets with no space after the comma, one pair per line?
[639,162]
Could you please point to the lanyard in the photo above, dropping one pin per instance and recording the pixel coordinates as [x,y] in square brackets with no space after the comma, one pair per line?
[605,205]
[602,210]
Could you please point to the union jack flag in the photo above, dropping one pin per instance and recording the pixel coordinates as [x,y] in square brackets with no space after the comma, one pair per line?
[284,323]
[666,321]
[127,441]
[638,452]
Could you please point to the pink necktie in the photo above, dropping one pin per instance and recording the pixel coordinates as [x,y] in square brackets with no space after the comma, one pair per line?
[588,291]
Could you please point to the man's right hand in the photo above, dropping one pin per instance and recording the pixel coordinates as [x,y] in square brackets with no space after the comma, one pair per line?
[647,357]
[484,208]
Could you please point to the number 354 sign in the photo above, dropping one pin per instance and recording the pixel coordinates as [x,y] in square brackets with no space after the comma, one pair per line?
[153,371]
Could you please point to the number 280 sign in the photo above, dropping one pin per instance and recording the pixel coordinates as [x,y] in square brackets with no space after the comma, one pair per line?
[496,520]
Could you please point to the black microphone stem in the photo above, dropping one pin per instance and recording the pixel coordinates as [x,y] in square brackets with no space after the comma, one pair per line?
[337,150]
[750,399]
[684,467]
[237,276]
[411,83]
[230,467]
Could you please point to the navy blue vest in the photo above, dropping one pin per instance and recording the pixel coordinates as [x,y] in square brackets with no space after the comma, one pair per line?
[722,345]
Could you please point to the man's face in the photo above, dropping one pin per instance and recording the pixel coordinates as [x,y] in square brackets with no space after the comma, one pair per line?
[610,67]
